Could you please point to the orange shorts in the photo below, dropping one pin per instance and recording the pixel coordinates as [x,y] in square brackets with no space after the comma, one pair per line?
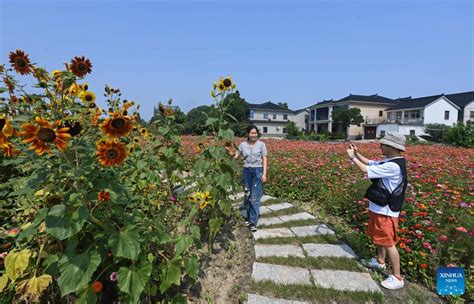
[382,229]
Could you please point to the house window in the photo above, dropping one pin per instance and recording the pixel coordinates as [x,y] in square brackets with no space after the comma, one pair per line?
[285,130]
[274,116]
[265,115]
[265,130]
[446,115]
[313,114]
[285,116]
[412,132]
[251,114]
[380,113]
[382,133]
[472,114]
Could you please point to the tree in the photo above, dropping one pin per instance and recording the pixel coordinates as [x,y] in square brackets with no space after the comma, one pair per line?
[347,117]
[196,120]
[283,105]
[293,131]
[237,107]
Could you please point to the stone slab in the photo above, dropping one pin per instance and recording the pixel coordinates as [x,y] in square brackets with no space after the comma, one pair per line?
[272,232]
[278,207]
[320,229]
[265,210]
[329,250]
[264,250]
[237,196]
[345,280]
[280,274]
[257,299]
[269,221]
[266,198]
[296,217]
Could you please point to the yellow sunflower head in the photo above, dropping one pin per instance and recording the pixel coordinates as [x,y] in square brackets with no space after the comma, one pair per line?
[41,137]
[111,153]
[88,97]
[74,89]
[117,126]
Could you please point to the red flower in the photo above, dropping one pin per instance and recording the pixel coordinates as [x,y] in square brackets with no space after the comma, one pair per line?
[424,265]
[97,287]
[104,196]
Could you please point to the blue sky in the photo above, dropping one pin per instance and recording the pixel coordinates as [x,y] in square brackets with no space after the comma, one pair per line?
[299,52]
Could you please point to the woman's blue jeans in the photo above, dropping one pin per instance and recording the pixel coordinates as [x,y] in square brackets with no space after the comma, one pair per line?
[253,192]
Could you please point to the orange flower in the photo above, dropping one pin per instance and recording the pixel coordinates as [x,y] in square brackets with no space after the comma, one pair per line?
[80,66]
[9,150]
[20,62]
[117,125]
[97,287]
[6,130]
[41,137]
[403,245]
[111,153]
[104,196]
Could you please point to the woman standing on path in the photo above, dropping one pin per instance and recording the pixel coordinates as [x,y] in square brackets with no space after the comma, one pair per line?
[254,174]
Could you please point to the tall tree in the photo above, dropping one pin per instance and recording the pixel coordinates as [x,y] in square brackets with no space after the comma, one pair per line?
[196,120]
[347,117]
[283,105]
[237,108]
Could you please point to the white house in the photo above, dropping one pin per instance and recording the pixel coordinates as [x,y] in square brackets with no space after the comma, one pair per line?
[271,119]
[465,102]
[410,115]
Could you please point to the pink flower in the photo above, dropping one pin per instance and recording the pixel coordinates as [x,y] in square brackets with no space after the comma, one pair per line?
[471,233]
[433,251]
[13,232]
[113,276]
[443,238]
[171,198]
[427,245]
[461,229]
[3,255]
[451,265]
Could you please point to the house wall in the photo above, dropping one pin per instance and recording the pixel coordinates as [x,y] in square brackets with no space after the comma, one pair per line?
[299,119]
[273,130]
[402,129]
[434,113]
[467,112]
[368,112]
[259,114]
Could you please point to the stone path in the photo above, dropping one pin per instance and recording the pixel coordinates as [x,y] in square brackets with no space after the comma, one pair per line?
[339,280]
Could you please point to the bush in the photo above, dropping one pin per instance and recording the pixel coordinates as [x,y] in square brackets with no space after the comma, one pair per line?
[317,137]
[436,132]
[460,135]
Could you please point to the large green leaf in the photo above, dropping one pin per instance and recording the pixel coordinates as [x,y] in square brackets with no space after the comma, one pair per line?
[77,270]
[33,228]
[16,263]
[183,244]
[192,267]
[226,207]
[215,225]
[126,243]
[132,280]
[170,274]
[63,224]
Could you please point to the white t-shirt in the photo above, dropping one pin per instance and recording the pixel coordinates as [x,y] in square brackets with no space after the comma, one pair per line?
[391,176]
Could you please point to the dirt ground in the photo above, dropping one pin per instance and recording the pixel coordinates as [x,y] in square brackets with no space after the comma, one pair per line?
[226,276]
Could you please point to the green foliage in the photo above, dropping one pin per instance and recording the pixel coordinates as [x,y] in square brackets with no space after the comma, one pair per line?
[292,131]
[436,132]
[196,120]
[347,117]
[461,135]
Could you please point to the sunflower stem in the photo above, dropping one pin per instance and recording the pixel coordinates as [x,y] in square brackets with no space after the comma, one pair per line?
[95,221]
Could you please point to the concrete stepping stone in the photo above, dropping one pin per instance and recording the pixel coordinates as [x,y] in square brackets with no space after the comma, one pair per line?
[320,229]
[296,217]
[272,232]
[280,274]
[257,299]
[264,210]
[345,280]
[237,196]
[329,250]
[266,198]
[269,221]
[278,207]
[264,250]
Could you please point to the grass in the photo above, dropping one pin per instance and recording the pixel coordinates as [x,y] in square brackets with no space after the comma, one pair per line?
[272,201]
[314,293]
[337,263]
[297,223]
[318,239]
[287,211]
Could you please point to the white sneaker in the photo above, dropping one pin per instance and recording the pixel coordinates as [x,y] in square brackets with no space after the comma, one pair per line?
[392,283]
[374,263]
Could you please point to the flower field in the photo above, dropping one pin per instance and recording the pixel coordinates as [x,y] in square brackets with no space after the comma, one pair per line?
[437,222]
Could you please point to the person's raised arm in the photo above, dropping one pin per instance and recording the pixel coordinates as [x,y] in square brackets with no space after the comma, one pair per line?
[359,156]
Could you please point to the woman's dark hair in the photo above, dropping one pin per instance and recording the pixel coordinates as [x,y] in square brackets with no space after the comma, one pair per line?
[250,128]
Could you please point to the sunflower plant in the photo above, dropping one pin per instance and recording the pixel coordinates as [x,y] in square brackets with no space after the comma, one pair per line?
[96,205]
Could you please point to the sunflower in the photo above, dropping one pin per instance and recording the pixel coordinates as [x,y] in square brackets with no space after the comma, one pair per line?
[46,134]
[203,204]
[56,74]
[136,140]
[20,62]
[6,130]
[221,86]
[111,153]
[117,126]
[75,89]
[80,66]
[9,150]
[227,82]
[75,127]
[144,132]
[88,97]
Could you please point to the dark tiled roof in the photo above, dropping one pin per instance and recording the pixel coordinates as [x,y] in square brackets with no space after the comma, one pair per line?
[268,106]
[376,98]
[461,99]
[300,110]
[412,103]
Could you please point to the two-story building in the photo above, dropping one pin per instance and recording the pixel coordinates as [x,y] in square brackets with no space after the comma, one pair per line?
[411,115]
[372,108]
[465,102]
[271,119]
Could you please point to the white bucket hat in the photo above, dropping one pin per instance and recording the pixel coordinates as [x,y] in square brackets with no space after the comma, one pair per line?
[395,140]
